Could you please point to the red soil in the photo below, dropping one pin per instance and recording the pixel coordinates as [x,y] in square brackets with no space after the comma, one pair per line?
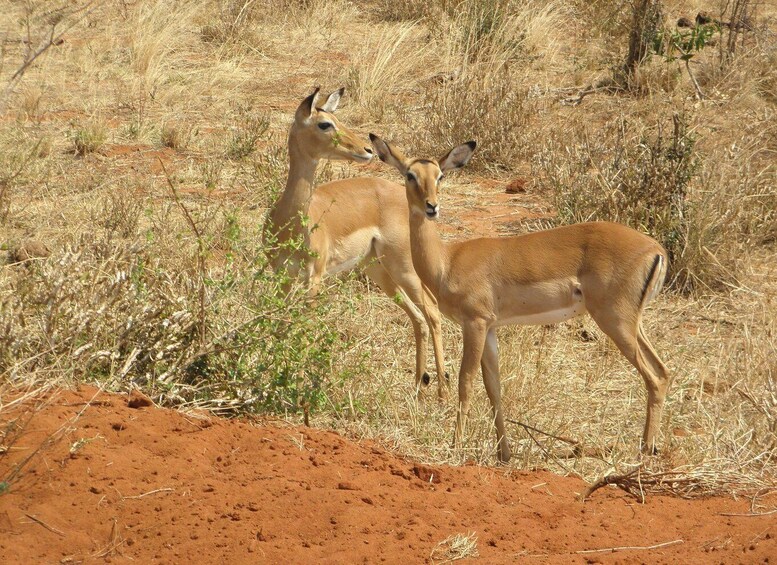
[154,485]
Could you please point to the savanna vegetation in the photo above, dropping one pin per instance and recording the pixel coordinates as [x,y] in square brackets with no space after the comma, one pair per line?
[142,141]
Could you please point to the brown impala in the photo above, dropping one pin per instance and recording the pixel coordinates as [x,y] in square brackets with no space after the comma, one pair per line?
[605,269]
[358,221]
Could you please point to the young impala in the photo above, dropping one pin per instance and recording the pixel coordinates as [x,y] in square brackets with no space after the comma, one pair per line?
[352,222]
[605,269]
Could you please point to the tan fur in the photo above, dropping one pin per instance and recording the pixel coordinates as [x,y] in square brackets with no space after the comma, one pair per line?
[352,222]
[602,268]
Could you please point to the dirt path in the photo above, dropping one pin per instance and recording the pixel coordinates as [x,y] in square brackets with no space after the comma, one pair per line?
[155,485]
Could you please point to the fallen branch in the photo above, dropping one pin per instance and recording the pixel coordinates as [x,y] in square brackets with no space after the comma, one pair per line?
[625,482]
[683,483]
[748,514]
[607,84]
[45,525]
[93,403]
[166,489]
[631,547]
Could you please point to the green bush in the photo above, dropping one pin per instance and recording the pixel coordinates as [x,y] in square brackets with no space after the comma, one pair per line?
[116,313]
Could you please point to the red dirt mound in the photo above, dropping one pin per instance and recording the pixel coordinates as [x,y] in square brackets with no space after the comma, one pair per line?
[157,486]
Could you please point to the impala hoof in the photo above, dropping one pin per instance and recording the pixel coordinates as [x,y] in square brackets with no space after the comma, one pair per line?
[649,451]
[425,378]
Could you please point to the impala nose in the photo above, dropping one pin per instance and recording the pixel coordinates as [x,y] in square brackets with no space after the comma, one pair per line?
[432,210]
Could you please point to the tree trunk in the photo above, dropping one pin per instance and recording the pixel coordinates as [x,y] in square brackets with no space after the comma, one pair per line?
[645,24]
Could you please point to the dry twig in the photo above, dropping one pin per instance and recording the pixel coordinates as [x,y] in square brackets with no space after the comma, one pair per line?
[45,525]
[166,489]
[115,541]
[748,514]
[682,483]
[53,38]
[200,251]
[630,547]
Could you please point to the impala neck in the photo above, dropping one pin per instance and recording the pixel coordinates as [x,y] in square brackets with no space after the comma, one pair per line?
[430,255]
[293,204]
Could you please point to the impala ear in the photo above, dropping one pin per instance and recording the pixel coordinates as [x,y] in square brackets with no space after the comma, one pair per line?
[307,106]
[333,100]
[458,156]
[388,153]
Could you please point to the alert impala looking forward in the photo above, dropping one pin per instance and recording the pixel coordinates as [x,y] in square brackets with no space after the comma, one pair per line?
[352,222]
[605,269]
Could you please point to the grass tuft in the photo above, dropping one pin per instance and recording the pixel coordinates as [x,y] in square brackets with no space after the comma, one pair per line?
[89,138]
[455,547]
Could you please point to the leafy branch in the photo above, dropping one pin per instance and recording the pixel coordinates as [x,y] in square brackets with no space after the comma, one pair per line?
[682,45]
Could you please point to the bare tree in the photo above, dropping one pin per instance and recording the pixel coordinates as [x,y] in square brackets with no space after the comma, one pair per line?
[645,24]
[55,23]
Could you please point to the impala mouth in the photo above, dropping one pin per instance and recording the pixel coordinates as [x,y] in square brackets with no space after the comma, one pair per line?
[365,157]
[432,211]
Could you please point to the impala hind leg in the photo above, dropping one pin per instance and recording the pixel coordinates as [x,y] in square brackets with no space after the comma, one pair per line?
[489,364]
[657,385]
[631,341]
[474,342]
[381,277]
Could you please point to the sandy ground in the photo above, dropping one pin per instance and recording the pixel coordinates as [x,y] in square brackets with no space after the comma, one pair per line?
[151,485]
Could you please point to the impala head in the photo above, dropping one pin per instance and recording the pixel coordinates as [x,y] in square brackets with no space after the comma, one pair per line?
[320,135]
[423,176]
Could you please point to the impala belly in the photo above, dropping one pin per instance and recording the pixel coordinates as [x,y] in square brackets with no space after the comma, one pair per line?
[350,251]
[549,302]
[543,318]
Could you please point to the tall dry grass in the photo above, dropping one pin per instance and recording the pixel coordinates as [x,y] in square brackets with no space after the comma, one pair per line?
[208,89]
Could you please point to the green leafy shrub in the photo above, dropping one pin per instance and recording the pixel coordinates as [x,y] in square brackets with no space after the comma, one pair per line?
[120,314]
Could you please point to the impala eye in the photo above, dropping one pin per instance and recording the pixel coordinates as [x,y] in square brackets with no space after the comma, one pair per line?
[323,126]
[410,177]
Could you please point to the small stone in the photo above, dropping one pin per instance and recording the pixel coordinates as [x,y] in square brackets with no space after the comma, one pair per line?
[345,485]
[27,250]
[138,400]
[516,186]
[684,22]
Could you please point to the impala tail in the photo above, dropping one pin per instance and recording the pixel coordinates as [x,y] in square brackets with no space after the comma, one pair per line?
[655,279]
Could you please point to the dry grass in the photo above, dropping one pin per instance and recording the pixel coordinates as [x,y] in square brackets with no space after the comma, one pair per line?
[208,89]
[385,63]
[455,547]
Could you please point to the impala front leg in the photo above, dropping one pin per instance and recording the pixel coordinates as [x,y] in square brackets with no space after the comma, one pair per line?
[432,315]
[315,267]
[474,341]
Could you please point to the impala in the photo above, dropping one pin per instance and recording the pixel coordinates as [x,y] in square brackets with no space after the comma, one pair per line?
[605,269]
[353,222]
